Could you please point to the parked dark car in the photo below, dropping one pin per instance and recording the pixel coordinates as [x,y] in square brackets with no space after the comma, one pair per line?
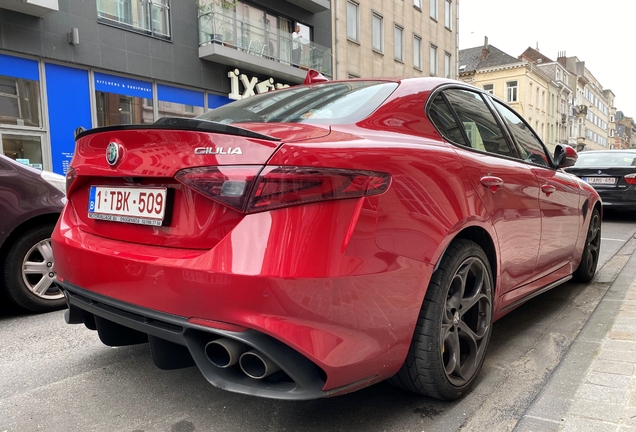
[31,202]
[315,240]
[612,173]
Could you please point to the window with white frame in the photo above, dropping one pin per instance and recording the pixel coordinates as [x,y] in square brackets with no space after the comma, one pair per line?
[417,4]
[511,91]
[417,52]
[433,61]
[448,14]
[352,21]
[448,66]
[149,16]
[378,32]
[398,38]
[490,88]
[433,9]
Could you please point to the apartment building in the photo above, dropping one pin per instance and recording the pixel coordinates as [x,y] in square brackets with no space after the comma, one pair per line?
[593,124]
[90,63]
[625,131]
[559,93]
[530,87]
[395,38]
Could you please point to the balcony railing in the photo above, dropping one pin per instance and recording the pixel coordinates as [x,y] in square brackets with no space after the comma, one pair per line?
[257,38]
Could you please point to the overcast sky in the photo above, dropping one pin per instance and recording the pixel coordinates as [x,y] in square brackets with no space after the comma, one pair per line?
[600,33]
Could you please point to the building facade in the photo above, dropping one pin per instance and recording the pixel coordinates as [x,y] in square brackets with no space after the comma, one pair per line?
[625,131]
[90,63]
[408,38]
[592,112]
[529,86]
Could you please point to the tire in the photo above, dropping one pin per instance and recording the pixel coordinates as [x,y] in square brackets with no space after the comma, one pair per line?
[27,271]
[589,260]
[454,326]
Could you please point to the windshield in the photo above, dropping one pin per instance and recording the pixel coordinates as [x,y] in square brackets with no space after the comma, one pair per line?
[328,103]
[599,159]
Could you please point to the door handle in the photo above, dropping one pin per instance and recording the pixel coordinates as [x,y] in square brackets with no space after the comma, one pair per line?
[491,182]
[548,189]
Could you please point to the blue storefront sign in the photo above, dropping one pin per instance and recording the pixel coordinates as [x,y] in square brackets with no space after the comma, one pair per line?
[179,95]
[67,110]
[17,67]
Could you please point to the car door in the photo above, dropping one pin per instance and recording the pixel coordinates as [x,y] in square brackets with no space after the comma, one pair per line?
[507,186]
[559,196]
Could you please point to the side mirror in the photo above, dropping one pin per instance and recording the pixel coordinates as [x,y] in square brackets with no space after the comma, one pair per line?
[564,156]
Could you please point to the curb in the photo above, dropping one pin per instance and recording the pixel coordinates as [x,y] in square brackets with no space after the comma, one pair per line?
[551,409]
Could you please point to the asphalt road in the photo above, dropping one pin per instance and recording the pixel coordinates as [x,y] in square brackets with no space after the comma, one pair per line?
[57,377]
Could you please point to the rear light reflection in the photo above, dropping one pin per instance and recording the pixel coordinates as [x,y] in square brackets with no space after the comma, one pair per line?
[631,179]
[70,178]
[245,189]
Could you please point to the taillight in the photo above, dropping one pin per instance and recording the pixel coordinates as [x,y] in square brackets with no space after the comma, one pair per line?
[630,178]
[245,189]
[70,178]
[228,185]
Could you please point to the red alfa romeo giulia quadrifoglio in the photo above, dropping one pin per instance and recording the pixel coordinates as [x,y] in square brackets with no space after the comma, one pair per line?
[315,240]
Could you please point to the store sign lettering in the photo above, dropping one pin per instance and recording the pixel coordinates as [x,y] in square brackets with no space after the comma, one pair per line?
[251,86]
[122,85]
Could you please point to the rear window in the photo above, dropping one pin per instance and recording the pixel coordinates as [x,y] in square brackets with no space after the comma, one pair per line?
[597,159]
[328,103]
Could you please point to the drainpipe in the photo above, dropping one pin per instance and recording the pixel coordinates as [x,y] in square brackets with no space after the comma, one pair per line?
[337,40]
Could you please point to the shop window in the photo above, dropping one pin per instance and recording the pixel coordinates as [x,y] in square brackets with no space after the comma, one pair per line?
[122,101]
[148,16]
[19,102]
[179,102]
[114,109]
[23,148]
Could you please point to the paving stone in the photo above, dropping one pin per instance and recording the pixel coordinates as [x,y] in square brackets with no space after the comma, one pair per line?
[575,424]
[619,368]
[603,394]
[622,335]
[620,356]
[595,410]
[610,380]
[628,417]
[620,345]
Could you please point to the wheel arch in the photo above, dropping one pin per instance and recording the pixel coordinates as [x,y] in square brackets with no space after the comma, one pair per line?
[25,226]
[483,238]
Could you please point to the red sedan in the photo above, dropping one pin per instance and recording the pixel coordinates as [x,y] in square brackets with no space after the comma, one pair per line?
[312,241]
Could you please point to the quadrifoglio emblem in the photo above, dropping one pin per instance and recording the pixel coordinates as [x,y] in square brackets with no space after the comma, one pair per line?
[112,153]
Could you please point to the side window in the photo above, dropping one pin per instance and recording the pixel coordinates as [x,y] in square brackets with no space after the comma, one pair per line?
[442,117]
[531,148]
[481,128]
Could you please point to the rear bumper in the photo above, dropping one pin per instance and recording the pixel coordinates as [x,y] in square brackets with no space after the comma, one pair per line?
[175,343]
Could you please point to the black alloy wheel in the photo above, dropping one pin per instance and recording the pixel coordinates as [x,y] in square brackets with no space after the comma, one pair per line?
[589,261]
[454,326]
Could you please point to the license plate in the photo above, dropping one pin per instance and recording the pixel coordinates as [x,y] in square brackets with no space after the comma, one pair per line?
[143,206]
[600,180]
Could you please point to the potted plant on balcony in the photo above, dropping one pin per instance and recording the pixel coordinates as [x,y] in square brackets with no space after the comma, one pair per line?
[215,22]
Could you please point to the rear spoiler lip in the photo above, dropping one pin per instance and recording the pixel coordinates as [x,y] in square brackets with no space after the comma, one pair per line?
[174,123]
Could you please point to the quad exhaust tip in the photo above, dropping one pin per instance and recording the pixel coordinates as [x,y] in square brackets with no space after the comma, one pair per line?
[225,352]
[256,365]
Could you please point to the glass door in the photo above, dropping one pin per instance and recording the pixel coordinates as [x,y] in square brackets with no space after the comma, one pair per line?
[25,147]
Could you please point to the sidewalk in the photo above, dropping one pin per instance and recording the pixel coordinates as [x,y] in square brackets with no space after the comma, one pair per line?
[594,386]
